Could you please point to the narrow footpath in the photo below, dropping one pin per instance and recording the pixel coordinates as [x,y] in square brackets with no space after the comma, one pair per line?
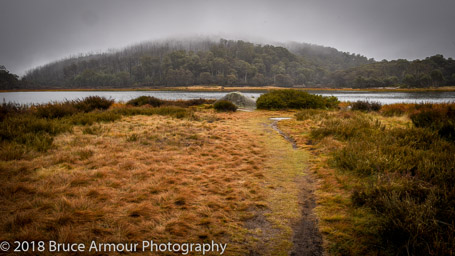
[288,225]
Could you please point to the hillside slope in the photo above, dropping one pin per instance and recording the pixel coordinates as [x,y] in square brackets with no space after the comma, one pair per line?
[189,62]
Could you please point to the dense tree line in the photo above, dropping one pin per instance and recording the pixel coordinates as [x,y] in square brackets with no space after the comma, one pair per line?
[235,63]
[191,62]
[433,71]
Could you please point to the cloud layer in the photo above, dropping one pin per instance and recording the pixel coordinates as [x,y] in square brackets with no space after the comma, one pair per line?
[34,32]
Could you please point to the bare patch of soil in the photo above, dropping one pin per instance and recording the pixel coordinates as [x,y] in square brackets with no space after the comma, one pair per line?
[307,238]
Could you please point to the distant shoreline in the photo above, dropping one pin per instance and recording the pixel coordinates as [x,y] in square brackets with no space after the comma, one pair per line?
[246,88]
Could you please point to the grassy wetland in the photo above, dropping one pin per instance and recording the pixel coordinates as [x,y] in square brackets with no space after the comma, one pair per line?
[380,177]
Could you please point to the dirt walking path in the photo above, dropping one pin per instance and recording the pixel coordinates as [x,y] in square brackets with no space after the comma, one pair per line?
[307,239]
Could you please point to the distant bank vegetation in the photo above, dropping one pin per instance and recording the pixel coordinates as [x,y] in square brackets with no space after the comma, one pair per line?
[229,63]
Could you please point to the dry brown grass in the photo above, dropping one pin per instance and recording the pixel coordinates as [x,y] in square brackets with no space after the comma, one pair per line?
[156,178]
[178,180]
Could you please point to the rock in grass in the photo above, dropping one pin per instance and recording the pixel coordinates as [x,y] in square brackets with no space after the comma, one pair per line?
[239,100]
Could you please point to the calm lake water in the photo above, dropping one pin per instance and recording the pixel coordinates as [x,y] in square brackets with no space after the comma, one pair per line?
[123,96]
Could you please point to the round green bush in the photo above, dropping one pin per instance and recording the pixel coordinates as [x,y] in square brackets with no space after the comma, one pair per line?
[294,99]
[225,106]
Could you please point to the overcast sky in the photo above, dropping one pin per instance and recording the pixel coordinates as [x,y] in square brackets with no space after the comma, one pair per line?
[35,32]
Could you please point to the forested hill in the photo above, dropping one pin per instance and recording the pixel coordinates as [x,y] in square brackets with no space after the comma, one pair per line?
[433,71]
[191,62]
[235,63]
[329,58]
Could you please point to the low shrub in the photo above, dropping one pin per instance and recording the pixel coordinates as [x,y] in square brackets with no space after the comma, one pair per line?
[68,108]
[294,99]
[437,117]
[430,118]
[225,106]
[93,102]
[398,109]
[409,175]
[366,106]
[347,126]
[11,109]
[145,100]
[56,110]
[31,131]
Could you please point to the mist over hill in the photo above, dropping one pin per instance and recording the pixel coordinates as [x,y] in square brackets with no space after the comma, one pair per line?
[205,61]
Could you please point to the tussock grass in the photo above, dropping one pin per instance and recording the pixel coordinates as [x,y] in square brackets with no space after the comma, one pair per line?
[177,180]
[397,176]
[24,129]
[11,109]
[398,109]
[173,111]
[310,114]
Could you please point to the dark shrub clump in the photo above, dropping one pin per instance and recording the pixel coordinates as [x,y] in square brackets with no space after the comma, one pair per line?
[11,109]
[366,106]
[225,106]
[68,108]
[145,100]
[409,174]
[440,118]
[56,110]
[294,99]
[93,102]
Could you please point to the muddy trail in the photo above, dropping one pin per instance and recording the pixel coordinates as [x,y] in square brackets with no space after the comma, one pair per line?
[307,239]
